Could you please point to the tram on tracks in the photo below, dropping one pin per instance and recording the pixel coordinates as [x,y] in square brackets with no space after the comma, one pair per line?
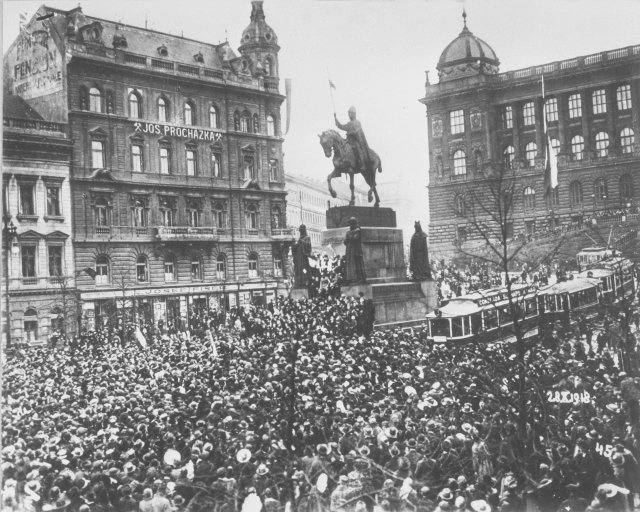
[485,315]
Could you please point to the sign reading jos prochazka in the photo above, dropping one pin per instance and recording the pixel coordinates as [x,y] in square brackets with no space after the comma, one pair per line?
[177,131]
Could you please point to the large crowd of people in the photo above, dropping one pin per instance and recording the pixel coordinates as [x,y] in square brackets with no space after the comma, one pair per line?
[300,406]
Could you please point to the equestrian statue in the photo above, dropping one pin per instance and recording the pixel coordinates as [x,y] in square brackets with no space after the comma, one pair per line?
[352,156]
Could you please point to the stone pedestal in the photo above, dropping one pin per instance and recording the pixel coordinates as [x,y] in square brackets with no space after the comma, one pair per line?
[397,300]
[299,293]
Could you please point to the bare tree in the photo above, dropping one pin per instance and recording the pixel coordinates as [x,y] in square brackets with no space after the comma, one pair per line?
[489,210]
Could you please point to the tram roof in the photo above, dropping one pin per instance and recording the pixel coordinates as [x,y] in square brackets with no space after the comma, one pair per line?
[596,273]
[570,286]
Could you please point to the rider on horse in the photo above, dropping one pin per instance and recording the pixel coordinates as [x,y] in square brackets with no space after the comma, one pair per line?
[357,141]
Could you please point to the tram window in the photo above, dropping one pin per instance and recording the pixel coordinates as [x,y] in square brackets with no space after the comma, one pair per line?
[565,302]
[476,323]
[605,284]
[440,327]
[505,316]
[551,302]
[457,326]
[531,308]
[490,319]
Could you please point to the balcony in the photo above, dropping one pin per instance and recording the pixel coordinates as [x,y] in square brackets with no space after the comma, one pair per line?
[187,234]
[285,234]
[137,233]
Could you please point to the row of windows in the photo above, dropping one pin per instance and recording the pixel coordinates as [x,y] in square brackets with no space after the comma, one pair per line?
[244,122]
[574,104]
[29,259]
[577,147]
[194,213]
[576,195]
[139,161]
[196,266]
[27,204]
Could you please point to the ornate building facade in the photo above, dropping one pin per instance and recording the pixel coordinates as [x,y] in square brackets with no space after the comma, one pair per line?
[39,296]
[177,181]
[482,122]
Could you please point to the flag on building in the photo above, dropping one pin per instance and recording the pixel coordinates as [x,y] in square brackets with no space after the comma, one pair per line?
[23,21]
[287,88]
[550,158]
[332,85]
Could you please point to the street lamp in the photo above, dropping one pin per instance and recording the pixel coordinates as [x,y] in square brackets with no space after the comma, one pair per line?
[8,235]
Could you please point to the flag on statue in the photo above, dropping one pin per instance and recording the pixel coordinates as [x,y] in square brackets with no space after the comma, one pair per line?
[332,85]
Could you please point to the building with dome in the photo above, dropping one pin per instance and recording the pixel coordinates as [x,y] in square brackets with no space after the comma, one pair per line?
[482,122]
[177,188]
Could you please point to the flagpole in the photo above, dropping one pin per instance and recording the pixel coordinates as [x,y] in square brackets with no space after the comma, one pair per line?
[331,87]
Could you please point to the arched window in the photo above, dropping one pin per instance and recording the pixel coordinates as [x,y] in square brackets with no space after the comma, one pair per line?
[95,100]
[529,198]
[196,268]
[170,268]
[530,153]
[163,110]
[626,188]
[577,147]
[627,139]
[189,113]
[251,217]
[30,325]
[214,121]
[97,154]
[142,269]
[245,122]
[253,265]
[268,66]
[602,144]
[102,269]
[271,125]
[575,193]
[221,266]
[508,156]
[459,163]
[102,212]
[134,106]
[460,205]
[600,189]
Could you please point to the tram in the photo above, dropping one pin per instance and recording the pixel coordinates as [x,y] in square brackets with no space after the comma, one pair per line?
[590,255]
[483,312]
[557,300]
[616,274]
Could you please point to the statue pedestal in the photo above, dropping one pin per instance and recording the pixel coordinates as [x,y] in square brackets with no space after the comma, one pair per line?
[299,293]
[397,300]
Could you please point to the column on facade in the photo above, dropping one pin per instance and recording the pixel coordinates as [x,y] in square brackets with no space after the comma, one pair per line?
[539,103]
[516,116]
[611,125]
[635,109]
[586,122]
[563,116]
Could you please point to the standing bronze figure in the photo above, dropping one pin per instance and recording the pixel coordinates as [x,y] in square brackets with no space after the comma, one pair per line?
[419,255]
[354,257]
[301,254]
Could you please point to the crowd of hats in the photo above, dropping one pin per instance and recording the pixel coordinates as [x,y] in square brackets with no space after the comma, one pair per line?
[296,404]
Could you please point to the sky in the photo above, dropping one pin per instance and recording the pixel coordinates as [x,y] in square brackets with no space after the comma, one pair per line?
[376,53]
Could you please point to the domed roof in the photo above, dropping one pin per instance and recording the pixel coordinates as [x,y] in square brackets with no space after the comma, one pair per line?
[467,54]
[258,32]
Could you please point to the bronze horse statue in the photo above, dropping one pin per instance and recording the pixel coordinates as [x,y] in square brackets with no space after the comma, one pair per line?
[344,161]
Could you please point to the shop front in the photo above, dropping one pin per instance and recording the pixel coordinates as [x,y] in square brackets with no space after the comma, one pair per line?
[171,307]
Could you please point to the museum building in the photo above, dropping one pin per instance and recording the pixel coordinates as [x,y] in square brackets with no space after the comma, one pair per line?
[176,174]
[483,123]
